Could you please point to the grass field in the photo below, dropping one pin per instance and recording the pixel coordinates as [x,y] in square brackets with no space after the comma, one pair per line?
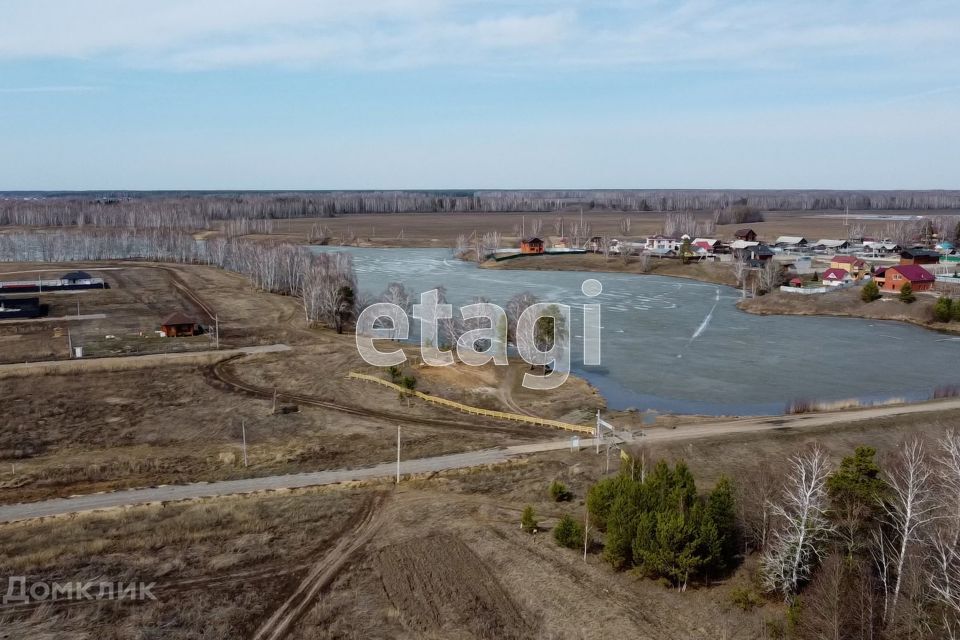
[446,557]
[441,230]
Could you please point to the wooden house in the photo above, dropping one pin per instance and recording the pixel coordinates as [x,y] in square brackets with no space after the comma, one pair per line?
[531,245]
[178,325]
[919,256]
[746,234]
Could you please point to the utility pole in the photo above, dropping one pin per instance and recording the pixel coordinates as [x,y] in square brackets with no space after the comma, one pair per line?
[243,431]
[398,454]
[586,534]
[216,321]
[596,438]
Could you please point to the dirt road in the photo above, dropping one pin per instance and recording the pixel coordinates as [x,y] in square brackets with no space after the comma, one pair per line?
[323,573]
[76,504]
[127,362]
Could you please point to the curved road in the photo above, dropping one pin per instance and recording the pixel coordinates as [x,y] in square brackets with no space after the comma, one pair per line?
[92,502]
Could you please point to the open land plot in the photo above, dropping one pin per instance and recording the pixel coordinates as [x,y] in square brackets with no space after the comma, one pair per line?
[140,296]
[713,272]
[440,557]
[442,229]
[847,303]
[69,434]
[137,300]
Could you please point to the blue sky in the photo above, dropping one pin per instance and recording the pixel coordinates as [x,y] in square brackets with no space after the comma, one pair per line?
[291,94]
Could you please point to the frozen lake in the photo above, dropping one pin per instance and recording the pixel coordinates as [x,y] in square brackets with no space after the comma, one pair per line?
[739,363]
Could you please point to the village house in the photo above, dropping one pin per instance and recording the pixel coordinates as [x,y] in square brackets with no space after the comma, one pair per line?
[835,277]
[178,325]
[756,255]
[899,274]
[531,245]
[706,245]
[880,248]
[77,277]
[790,242]
[919,256]
[11,308]
[855,266]
[879,275]
[659,243]
[739,245]
[748,235]
[826,244]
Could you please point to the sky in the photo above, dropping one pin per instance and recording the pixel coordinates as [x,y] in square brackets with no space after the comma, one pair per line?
[440,94]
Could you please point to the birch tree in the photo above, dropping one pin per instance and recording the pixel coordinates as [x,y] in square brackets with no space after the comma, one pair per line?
[909,508]
[797,545]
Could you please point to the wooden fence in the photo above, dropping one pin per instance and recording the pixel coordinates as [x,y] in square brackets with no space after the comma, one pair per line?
[476,411]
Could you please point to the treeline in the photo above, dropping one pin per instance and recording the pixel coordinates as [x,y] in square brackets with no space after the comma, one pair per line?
[866,549]
[325,282]
[202,210]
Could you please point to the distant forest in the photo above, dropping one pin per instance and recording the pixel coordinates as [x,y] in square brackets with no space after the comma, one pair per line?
[197,209]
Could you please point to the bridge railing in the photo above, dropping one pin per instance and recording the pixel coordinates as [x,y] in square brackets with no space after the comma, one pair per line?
[476,411]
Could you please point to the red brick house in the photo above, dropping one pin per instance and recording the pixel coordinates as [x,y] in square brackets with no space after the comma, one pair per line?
[899,274]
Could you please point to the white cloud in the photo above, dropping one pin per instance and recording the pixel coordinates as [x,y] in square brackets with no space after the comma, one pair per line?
[205,34]
[49,89]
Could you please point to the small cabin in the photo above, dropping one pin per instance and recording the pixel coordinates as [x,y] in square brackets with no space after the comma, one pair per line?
[919,256]
[531,245]
[746,234]
[178,325]
[77,277]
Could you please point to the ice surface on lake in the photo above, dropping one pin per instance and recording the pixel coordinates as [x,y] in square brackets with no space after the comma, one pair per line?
[733,362]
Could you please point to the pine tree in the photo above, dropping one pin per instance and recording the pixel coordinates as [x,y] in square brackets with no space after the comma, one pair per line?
[870,292]
[906,293]
[568,532]
[528,521]
[721,512]
[943,310]
[621,529]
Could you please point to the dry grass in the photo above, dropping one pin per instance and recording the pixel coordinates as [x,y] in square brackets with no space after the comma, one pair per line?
[714,272]
[847,303]
[94,366]
[454,537]
[441,230]
[219,566]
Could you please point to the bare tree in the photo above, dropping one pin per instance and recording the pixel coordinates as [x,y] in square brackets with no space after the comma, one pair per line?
[625,224]
[755,501]
[770,276]
[536,227]
[797,544]
[740,270]
[558,226]
[676,224]
[909,509]
[856,231]
[901,232]
[943,570]
[462,246]
[515,308]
